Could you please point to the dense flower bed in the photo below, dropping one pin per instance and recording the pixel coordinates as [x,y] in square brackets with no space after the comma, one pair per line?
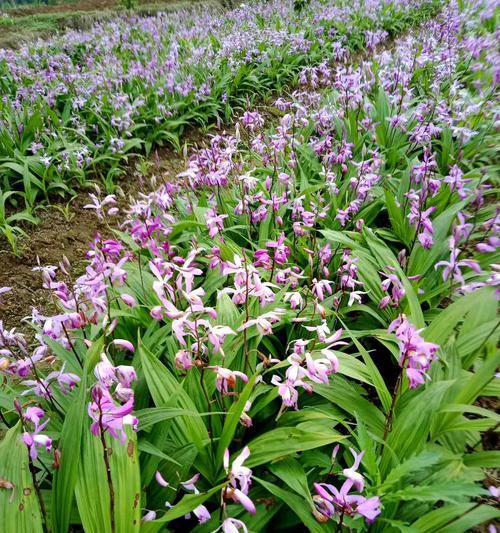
[297,330]
[83,102]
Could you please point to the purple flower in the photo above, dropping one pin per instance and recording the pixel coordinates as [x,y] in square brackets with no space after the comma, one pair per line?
[215,222]
[416,354]
[108,415]
[36,439]
[122,343]
[240,479]
[226,378]
[330,500]
[233,525]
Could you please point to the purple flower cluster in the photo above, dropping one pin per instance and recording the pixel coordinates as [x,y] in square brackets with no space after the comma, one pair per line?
[415,354]
[330,501]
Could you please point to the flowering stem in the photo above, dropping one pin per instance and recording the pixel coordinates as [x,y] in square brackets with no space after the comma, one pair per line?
[341,522]
[108,472]
[390,414]
[209,406]
[247,314]
[72,346]
[38,494]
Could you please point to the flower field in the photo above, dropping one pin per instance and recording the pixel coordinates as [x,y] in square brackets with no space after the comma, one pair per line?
[299,331]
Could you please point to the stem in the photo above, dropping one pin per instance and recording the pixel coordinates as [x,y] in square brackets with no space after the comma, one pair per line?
[341,522]
[390,414]
[39,494]
[108,472]
[73,349]
[247,315]
[209,405]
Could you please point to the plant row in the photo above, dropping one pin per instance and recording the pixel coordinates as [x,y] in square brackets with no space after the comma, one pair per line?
[79,105]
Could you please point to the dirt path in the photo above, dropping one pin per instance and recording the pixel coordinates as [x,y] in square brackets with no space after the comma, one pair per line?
[59,234]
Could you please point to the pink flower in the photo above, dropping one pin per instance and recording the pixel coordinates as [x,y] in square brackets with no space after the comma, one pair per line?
[217,336]
[287,391]
[34,440]
[226,378]
[108,416]
[245,419]
[160,480]
[295,299]
[415,353]
[330,500]
[233,525]
[125,375]
[352,473]
[183,360]
[321,331]
[126,345]
[240,479]
[105,372]
[149,516]
[202,514]
[34,415]
[128,300]
[215,222]
[264,322]
[320,287]
[319,369]
[369,508]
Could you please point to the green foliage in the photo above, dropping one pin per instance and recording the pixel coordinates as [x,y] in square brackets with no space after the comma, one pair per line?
[225,373]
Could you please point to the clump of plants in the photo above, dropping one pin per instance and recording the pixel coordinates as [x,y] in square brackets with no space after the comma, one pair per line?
[80,105]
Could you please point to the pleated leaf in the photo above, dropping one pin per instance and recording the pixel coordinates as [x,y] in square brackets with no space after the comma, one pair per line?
[19,507]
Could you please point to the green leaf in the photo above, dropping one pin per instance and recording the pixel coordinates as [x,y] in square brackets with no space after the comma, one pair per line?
[126,478]
[232,419]
[292,473]
[413,465]
[412,424]
[296,504]
[488,459]
[185,506]
[187,429]
[147,447]
[91,490]
[152,415]
[433,521]
[63,485]
[475,517]
[19,507]
[452,492]
[376,377]
[446,321]
[284,441]
[385,258]
[345,395]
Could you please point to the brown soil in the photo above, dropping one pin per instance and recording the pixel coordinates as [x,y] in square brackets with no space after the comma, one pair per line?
[52,238]
[59,234]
